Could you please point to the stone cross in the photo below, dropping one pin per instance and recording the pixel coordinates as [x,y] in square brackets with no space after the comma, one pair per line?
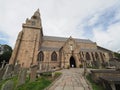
[3,64]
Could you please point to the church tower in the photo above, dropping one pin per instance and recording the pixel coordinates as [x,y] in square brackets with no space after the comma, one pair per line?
[28,42]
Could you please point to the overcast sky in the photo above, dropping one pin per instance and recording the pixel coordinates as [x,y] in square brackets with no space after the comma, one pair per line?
[97,20]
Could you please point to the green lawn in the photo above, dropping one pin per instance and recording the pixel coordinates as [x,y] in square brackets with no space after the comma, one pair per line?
[44,81]
[39,84]
[94,85]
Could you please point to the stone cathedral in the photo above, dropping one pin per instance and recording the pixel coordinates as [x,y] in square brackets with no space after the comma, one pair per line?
[34,48]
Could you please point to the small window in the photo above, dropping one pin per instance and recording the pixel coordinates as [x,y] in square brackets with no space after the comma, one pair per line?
[54,56]
[33,22]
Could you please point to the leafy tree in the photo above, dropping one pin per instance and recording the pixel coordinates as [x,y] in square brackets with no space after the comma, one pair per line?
[117,55]
[7,51]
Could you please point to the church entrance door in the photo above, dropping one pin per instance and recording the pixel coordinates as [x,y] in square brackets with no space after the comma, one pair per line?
[72,62]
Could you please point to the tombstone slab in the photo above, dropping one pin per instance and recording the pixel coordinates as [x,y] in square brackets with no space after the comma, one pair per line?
[8,71]
[22,76]
[2,71]
[16,69]
[9,85]
[33,72]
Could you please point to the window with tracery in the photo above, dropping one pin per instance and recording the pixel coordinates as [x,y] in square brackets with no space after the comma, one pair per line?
[41,56]
[54,56]
[93,56]
[87,56]
[96,56]
[102,57]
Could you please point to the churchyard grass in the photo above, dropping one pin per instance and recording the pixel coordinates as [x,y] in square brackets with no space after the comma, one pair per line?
[44,81]
[14,79]
[39,84]
[95,86]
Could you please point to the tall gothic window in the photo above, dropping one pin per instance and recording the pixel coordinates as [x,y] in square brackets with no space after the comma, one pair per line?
[80,54]
[54,56]
[87,56]
[93,56]
[102,57]
[96,56]
[41,56]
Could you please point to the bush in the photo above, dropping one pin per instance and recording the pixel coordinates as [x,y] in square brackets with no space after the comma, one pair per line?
[68,66]
[81,65]
[57,74]
[47,74]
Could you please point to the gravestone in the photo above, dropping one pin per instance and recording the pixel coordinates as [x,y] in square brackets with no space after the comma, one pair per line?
[117,66]
[8,71]
[3,64]
[9,85]
[53,75]
[33,72]
[22,76]
[16,69]
[2,71]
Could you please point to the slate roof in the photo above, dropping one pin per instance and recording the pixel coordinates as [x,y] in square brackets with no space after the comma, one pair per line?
[49,49]
[89,50]
[102,48]
[53,38]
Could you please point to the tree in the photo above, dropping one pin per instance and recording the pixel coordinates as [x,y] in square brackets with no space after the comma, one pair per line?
[117,55]
[7,51]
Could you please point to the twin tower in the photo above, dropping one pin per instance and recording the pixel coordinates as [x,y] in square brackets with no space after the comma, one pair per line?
[28,42]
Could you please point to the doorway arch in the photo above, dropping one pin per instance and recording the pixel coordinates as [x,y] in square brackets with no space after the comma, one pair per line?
[72,62]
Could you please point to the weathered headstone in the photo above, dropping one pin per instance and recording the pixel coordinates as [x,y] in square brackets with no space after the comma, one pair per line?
[9,85]
[33,72]
[117,65]
[22,76]
[53,74]
[3,64]
[8,71]
[16,69]
[2,71]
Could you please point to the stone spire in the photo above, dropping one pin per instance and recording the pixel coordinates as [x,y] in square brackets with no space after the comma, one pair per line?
[36,15]
[35,21]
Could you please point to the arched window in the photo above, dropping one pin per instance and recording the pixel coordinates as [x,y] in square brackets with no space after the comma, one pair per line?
[102,57]
[54,56]
[41,56]
[96,56]
[93,56]
[87,56]
[80,54]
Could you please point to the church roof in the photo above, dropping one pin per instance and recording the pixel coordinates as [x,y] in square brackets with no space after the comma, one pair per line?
[89,50]
[53,38]
[103,49]
[49,49]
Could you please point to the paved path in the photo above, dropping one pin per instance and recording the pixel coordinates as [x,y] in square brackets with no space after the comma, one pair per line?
[71,79]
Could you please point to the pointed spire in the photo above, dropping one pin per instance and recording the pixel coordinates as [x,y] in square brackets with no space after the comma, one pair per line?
[36,14]
[38,10]
[70,37]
